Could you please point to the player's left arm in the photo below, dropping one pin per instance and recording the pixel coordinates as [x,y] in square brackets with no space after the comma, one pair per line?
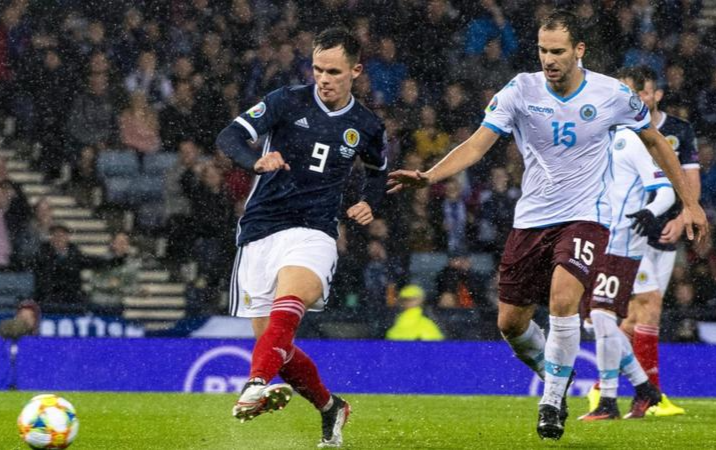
[675,228]
[375,164]
[663,154]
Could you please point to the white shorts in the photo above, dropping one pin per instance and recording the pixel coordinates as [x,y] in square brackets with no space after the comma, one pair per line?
[253,279]
[654,271]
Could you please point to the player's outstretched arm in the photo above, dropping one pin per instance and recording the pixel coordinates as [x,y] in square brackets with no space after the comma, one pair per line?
[459,159]
[675,228]
[361,212]
[661,151]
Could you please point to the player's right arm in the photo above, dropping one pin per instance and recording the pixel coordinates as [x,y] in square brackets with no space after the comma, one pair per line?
[499,120]
[233,141]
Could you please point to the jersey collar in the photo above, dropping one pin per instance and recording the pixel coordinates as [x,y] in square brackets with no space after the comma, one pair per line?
[571,96]
[662,121]
[325,109]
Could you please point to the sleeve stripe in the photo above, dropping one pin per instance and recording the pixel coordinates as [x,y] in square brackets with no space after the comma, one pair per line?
[240,120]
[654,187]
[381,168]
[689,166]
[495,128]
[637,130]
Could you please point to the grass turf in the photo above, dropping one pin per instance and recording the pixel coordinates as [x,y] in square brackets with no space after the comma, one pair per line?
[196,421]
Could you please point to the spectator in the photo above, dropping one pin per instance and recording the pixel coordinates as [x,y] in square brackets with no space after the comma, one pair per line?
[57,269]
[25,323]
[431,142]
[36,233]
[6,245]
[647,54]
[386,73]
[408,105]
[181,119]
[456,110]
[147,80]
[497,206]
[455,216]
[489,70]
[84,177]
[412,324]
[109,286]
[92,118]
[376,275]
[706,109]
[676,101]
[459,286]
[487,26]
[139,126]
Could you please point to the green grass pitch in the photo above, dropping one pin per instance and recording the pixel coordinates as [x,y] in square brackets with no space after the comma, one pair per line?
[202,421]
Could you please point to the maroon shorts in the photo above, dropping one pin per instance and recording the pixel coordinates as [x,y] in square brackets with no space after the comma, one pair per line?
[531,256]
[612,287]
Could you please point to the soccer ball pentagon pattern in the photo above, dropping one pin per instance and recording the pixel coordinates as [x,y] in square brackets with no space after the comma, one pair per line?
[48,422]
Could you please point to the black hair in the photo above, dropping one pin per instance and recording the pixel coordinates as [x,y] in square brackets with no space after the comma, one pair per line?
[569,21]
[639,75]
[339,37]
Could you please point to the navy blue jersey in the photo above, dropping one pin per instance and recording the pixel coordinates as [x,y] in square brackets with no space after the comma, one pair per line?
[682,138]
[320,146]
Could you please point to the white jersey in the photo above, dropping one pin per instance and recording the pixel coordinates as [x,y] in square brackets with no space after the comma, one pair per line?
[635,175]
[565,144]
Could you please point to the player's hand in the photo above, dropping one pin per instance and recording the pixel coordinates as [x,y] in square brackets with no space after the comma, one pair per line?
[672,231]
[644,222]
[271,162]
[361,213]
[695,217]
[401,179]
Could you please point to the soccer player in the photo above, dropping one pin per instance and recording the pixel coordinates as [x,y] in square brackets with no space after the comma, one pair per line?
[561,119]
[286,238]
[635,176]
[652,279]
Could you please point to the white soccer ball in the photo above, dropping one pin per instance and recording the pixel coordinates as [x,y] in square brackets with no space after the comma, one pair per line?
[48,421]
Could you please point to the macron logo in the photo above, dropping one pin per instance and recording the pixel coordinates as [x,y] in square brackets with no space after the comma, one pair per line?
[303,123]
[540,109]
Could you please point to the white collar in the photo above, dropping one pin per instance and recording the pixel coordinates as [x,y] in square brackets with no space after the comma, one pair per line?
[325,109]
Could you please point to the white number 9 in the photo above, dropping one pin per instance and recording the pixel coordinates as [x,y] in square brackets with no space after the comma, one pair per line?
[320,152]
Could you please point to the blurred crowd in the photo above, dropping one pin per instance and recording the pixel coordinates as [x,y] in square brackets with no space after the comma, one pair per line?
[165,76]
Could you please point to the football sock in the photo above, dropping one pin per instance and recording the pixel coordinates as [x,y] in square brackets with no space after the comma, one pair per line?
[302,374]
[274,347]
[529,348]
[629,365]
[559,354]
[609,351]
[646,350]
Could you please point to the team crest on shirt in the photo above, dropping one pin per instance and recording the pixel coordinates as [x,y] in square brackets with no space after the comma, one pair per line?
[635,102]
[588,113]
[257,111]
[674,141]
[641,277]
[620,144]
[492,106]
[351,137]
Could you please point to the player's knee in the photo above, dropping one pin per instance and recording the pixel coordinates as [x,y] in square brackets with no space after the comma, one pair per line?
[511,327]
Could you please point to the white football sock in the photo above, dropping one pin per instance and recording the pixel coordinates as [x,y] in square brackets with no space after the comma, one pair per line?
[629,365]
[529,348]
[609,351]
[559,354]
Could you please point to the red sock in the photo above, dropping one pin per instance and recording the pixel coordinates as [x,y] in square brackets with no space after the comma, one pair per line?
[274,347]
[302,374]
[646,350]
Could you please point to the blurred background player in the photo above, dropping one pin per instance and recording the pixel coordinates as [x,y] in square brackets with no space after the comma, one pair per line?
[287,237]
[635,176]
[642,324]
[561,120]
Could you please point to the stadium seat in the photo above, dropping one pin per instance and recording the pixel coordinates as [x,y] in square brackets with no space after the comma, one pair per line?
[117,163]
[118,190]
[158,163]
[147,188]
[17,284]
